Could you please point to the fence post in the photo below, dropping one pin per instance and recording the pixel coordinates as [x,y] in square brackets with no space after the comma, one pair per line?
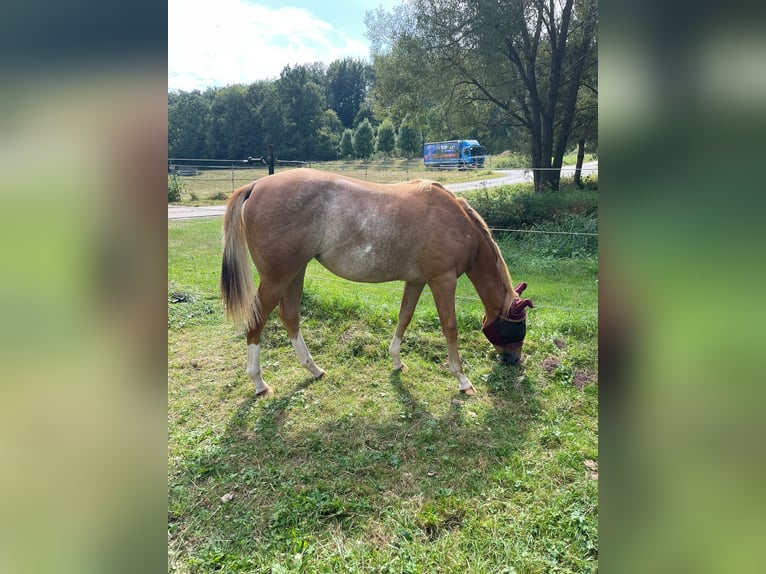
[232,177]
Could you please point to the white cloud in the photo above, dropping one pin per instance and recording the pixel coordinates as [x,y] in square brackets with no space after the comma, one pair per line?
[231,41]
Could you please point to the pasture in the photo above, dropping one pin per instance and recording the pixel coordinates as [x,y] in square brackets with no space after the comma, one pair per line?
[213,185]
[367,470]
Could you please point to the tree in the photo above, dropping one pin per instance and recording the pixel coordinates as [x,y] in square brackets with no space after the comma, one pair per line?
[302,103]
[525,58]
[268,109]
[231,124]
[348,82]
[347,143]
[328,136]
[364,140]
[188,116]
[386,138]
[409,140]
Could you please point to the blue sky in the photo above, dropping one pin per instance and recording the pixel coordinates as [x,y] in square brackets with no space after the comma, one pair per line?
[223,42]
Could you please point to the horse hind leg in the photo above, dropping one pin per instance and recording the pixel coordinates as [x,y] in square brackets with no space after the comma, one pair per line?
[289,312]
[268,297]
[410,298]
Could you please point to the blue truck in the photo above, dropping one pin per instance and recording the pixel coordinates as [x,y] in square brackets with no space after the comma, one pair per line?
[458,154]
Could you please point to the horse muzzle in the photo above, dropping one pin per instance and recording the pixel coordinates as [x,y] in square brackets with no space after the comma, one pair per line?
[507,333]
[507,336]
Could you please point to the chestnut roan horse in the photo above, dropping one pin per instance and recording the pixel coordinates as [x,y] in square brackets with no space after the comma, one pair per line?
[416,232]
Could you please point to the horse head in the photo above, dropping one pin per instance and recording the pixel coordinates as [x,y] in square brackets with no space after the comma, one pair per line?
[507,332]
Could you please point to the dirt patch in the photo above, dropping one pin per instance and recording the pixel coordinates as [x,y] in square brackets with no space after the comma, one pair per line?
[561,344]
[592,468]
[581,378]
[550,364]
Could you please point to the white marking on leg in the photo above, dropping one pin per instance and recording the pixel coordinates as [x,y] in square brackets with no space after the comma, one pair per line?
[304,357]
[457,370]
[254,368]
[393,349]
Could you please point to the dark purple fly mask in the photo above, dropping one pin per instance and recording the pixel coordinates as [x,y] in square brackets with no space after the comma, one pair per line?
[507,333]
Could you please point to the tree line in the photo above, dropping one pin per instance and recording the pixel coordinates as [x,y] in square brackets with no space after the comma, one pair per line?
[518,75]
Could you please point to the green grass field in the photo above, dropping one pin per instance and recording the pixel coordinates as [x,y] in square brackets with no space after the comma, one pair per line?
[366,470]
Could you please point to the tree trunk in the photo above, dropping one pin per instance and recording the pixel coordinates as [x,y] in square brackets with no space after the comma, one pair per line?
[578,166]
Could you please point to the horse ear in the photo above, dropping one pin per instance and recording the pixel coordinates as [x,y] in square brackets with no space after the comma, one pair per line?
[520,287]
[517,309]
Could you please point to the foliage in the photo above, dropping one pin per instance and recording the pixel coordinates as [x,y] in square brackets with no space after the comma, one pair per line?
[348,82]
[328,137]
[188,117]
[446,69]
[175,188]
[518,206]
[409,141]
[347,143]
[510,160]
[386,140]
[364,140]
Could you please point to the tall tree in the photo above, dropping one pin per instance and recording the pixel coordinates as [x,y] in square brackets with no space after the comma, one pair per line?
[231,132]
[188,114]
[302,103]
[328,137]
[364,140]
[348,82]
[386,138]
[347,143]
[409,141]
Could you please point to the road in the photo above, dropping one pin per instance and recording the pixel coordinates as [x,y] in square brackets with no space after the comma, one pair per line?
[510,176]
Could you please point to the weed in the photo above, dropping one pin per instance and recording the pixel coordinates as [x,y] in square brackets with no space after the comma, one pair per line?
[218,196]
[175,188]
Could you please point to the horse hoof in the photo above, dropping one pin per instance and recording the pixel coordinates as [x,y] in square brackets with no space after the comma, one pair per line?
[320,375]
[470,391]
[403,369]
[264,393]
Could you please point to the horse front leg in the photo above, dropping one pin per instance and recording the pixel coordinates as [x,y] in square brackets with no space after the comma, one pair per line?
[444,297]
[410,299]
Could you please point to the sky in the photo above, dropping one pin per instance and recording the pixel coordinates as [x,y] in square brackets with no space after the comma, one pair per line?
[222,42]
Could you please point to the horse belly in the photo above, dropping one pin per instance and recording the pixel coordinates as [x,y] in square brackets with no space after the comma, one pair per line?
[366,264]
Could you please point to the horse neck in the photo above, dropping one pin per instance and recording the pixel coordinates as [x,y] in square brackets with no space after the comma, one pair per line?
[488,281]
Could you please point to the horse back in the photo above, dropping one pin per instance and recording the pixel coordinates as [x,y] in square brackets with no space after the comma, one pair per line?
[359,230]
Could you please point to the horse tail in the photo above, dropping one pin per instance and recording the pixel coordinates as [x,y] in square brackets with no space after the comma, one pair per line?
[237,289]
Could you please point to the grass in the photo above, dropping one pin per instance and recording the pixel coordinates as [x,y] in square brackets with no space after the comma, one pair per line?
[371,471]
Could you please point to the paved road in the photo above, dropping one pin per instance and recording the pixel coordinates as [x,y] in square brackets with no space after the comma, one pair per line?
[510,176]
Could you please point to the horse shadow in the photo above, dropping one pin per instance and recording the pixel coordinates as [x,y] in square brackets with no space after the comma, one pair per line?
[294,481]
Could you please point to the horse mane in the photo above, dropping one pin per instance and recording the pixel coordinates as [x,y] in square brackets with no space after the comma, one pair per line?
[502,268]
[426,184]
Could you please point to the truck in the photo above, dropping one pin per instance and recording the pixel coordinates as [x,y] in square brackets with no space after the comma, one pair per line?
[458,154]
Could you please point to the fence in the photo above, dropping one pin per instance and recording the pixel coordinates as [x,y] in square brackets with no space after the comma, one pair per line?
[239,172]
[207,170]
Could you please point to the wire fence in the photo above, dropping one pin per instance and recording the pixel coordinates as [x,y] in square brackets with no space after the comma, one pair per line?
[186,167]
[195,167]
[321,279]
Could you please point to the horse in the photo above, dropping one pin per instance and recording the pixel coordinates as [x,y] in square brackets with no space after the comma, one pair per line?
[416,232]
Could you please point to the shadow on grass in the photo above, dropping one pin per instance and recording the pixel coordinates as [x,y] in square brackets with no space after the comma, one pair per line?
[410,474]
